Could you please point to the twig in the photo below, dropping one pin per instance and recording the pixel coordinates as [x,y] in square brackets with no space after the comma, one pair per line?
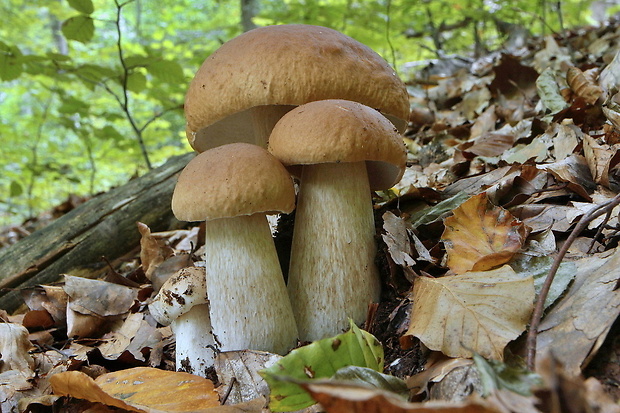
[228,390]
[532,334]
[125,78]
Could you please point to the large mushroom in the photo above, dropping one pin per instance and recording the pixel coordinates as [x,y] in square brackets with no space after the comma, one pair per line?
[233,187]
[182,303]
[245,86]
[346,150]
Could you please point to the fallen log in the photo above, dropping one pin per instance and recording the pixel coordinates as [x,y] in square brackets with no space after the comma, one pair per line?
[102,226]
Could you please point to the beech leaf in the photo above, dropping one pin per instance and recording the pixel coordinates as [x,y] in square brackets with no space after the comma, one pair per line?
[320,359]
[140,389]
[475,312]
[480,236]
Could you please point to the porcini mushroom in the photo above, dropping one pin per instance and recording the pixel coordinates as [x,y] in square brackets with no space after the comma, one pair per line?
[346,150]
[245,86]
[182,303]
[233,187]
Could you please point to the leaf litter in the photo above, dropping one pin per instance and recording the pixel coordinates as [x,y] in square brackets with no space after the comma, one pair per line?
[504,158]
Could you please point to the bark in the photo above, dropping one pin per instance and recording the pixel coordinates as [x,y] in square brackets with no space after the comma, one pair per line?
[249,8]
[103,226]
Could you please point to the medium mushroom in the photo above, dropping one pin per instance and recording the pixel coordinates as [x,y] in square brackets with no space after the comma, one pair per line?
[245,86]
[233,187]
[346,149]
[182,303]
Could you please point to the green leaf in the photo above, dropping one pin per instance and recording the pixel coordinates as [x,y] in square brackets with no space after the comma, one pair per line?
[83,6]
[364,375]
[95,73]
[137,61]
[108,132]
[79,28]
[321,359]
[549,91]
[168,71]
[495,375]
[10,62]
[136,82]
[71,105]
[15,189]
[432,214]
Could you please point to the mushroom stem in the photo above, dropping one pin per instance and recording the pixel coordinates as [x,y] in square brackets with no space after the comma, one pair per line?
[332,274]
[195,347]
[250,308]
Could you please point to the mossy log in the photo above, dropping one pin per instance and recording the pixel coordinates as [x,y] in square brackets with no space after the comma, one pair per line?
[104,226]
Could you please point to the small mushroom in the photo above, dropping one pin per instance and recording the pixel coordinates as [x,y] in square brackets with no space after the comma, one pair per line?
[182,303]
[251,81]
[233,187]
[346,150]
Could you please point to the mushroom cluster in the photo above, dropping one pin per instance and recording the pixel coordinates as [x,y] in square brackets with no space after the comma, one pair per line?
[329,109]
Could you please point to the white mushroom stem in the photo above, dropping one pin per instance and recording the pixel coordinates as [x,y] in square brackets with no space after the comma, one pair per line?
[195,346]
[250,308]
[332,275]
[182,303]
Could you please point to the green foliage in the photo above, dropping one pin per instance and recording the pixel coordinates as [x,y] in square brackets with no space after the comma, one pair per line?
[320,359]
[85,82]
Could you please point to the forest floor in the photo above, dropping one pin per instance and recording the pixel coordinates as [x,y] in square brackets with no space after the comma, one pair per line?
[509,157]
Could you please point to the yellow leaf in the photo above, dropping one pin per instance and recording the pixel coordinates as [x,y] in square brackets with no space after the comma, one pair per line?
[140,389]
[475,312]
[480,236]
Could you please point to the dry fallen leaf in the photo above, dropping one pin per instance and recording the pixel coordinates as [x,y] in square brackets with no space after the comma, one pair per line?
[140,389]
[577,326]
[14,347]
[152,251]
[480,236]
[475,312]
[582,86]
[342,397]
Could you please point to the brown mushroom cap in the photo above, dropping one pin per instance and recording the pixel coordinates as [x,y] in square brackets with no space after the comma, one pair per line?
[286,65]
[232,180]
[340,131]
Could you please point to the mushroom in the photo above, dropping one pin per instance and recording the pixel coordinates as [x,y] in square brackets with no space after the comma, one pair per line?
[346,149]
[251,81]
[233,187]
[182,303]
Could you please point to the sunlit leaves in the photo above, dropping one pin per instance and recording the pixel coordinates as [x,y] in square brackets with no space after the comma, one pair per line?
[79,28]
[167,71]
[10,63]
[83,6]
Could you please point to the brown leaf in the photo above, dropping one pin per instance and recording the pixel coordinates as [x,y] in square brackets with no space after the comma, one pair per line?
[98,297]
[576,327]
[582,86]
[480,311]
[152,251]
[341,397]
[140,389]
[480,236]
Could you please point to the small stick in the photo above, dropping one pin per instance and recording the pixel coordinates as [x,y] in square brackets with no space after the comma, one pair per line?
[540,303]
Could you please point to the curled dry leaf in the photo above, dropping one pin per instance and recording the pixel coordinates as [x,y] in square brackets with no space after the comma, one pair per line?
[582,86]
[14,348]
[475,312]
[480,236]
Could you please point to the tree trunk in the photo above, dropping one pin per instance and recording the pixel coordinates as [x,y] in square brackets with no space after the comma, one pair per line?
[105,226]
[249,9]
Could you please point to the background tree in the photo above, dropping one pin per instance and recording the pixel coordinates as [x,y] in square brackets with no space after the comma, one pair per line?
[92,90]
